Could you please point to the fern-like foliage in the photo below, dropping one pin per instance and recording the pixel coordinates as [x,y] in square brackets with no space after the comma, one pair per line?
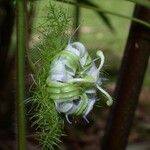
[53,39]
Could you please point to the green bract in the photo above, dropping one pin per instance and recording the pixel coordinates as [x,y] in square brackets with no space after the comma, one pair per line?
[53,39]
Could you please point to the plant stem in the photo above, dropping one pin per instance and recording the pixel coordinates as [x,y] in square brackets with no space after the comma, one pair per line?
[129,84]
[21,44]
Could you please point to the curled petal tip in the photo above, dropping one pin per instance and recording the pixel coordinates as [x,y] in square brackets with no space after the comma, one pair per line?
[67,118]
[99,53]
[86,119]
[109,102]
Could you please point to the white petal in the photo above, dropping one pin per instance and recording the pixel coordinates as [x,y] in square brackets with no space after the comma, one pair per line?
[74,108]
[73,50]
[90,106]
[63,107]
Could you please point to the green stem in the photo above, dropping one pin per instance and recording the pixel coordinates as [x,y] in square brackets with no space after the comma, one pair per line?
[20,73]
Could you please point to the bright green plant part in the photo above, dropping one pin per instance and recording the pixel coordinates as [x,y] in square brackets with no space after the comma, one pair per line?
[52,40]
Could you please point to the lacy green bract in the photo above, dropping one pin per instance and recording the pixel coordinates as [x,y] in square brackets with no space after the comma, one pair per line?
[52,40]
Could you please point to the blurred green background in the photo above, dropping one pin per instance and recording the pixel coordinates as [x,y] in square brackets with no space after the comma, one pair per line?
[95,34]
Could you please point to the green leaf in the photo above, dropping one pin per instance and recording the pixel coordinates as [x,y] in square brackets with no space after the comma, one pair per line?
[145,3]
[101,14]
[108,12]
